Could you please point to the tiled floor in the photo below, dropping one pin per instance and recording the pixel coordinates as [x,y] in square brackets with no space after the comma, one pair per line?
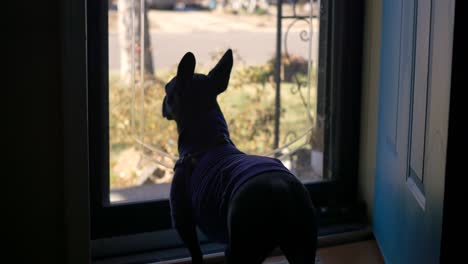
[366,252]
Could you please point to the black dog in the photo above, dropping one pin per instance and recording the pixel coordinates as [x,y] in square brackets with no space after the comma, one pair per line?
[251,203]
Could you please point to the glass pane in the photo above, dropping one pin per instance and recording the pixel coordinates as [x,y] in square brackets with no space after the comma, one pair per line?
[146,41]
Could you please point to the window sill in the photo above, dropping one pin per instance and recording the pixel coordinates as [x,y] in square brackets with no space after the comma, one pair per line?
[330,236]
[145,192]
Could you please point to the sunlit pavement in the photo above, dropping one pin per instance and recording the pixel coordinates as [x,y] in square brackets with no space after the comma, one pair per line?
[253,37]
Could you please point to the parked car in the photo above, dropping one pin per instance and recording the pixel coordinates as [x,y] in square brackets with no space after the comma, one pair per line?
[161,4]
[172,4]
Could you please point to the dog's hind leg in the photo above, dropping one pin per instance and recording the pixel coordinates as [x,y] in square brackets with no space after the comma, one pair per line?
[299,228]
[301,249]
[250,224]
[249,243]
[271,210]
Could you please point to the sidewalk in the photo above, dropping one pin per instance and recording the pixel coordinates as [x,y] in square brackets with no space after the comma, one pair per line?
[209,21]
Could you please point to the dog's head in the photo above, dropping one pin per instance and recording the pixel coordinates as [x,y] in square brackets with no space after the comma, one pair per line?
[190,93]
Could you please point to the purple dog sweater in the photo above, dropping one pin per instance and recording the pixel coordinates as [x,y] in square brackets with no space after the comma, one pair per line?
[201,194]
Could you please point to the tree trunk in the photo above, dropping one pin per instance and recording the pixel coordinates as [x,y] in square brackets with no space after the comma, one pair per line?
[132,15]
[252,6]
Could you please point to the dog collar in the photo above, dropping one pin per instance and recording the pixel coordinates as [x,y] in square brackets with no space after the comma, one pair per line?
[192,158]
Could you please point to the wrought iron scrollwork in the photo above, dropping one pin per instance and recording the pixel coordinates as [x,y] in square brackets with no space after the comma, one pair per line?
[299,84]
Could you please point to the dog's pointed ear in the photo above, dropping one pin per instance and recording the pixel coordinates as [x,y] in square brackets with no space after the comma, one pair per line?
[221,73]
[185,71]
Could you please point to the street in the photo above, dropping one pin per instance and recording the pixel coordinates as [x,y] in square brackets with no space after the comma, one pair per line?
[253,38]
